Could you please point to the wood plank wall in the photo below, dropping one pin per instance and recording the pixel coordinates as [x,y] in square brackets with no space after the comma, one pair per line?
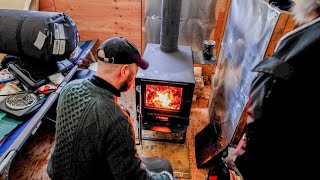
[106,18]
[102,19]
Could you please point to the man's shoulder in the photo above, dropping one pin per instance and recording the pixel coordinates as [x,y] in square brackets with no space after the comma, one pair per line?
[75,82]
[75,91]
[75,85]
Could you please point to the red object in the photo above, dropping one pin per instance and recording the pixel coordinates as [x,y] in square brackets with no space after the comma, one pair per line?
[46,89]
[213,178]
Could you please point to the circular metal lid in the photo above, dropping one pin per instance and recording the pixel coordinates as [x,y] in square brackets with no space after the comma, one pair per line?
[209,42]
[21,101]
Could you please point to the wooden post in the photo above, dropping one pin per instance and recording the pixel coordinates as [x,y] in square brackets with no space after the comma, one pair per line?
[221,24]
[285,24]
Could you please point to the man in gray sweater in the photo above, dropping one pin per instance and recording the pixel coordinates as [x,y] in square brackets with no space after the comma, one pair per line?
[94,136]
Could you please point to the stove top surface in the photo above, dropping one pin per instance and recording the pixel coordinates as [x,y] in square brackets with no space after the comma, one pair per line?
[175,67]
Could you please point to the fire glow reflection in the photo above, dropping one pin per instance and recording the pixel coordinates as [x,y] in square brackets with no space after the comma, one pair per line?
[168,97]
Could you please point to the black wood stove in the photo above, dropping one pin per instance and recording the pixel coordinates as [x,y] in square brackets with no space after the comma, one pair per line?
[164,91]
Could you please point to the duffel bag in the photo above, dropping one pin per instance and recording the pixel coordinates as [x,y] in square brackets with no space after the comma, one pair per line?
[37,35]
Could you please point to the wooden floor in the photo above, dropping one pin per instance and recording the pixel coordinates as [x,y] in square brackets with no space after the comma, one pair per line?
[31,161]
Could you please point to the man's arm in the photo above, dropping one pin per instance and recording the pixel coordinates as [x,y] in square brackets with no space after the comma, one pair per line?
[121,154]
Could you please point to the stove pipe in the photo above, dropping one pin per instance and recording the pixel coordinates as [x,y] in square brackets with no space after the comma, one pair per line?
[170,17]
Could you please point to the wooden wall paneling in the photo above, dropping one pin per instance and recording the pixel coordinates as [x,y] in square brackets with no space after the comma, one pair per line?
[143,29]
[290,25]
[47,5]
[223,11]
[285,24]
[277,33]
[102,19]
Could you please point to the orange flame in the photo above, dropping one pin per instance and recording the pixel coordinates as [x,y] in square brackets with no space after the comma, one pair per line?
[167,97]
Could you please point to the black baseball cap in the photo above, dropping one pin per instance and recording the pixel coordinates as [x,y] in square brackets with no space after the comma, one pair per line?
[118,50]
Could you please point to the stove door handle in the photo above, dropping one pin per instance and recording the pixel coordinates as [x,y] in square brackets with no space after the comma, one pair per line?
[140,119]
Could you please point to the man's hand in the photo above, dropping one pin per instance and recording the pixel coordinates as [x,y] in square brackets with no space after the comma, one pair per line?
[241,148]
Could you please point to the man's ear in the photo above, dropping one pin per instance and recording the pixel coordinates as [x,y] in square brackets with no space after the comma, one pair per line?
[125,70]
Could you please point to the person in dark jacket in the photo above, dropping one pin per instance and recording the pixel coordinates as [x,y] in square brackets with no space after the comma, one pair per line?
[281,118]
[94,135]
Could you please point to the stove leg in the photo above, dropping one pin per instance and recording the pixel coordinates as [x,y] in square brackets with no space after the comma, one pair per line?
[140,138]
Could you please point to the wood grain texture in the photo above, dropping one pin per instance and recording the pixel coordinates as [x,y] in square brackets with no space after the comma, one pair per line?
[277,33]
[46,5]
[143,28]
[285,24]
[290,25]
[101,19]
[221,24]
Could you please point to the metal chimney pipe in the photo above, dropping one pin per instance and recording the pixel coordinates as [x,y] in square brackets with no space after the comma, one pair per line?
[170,17]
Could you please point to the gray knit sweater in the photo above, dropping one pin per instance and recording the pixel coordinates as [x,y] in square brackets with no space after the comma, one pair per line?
[94,137]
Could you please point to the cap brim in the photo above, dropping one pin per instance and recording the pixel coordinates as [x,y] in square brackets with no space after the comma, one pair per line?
[142,63]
